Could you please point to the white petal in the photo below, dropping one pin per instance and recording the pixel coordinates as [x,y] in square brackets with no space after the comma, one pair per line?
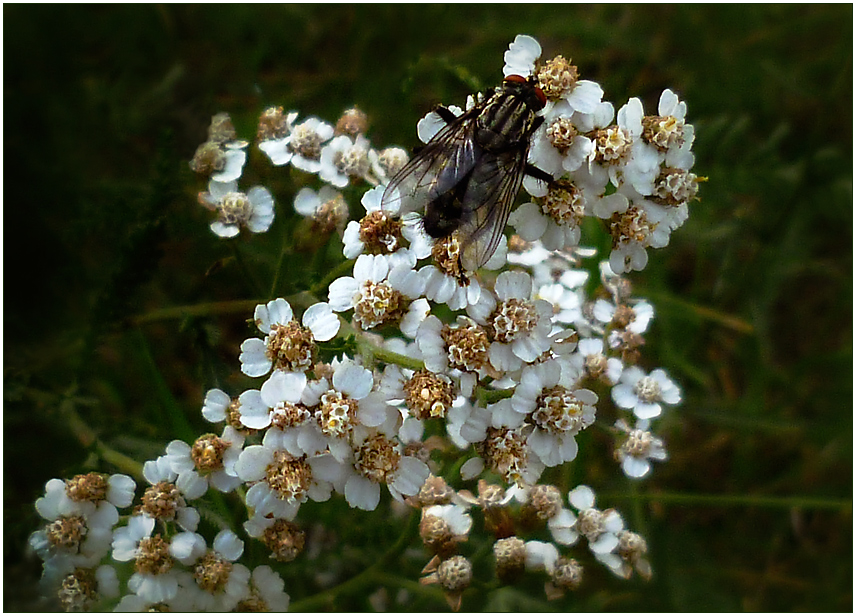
[235,160]
[371,267]
[411,474]
[228,545]
[224,230]
[215,405]
[254,412]
[306,202]
[586,96]
[521,55]
[342,293]
[362,493]
[472,468]
[353,380]
[277,151]
[279,312]
[121,490]
[186,547]
[541,555]
[373,410]
[623,396]
[513,284]
[253,358]
[319,318]
[192,485]
[605,543]
[581,497]
[529,222]
[635,467]
[283,386]
[253,463]
[647,410]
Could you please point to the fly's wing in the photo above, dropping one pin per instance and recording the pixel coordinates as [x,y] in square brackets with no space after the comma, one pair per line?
[487,203]
[437,169]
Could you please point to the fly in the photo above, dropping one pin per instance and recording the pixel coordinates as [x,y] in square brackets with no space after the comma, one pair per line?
[466,177]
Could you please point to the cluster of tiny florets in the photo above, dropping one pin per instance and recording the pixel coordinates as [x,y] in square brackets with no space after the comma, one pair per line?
[495,373]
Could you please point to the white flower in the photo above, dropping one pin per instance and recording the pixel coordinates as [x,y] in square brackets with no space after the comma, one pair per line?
[136,542]
[302,147]
[634,318]
[341,409]
[600,528]
[307,202]
[282,481]
[253,210]
[93,495]
[456,516]
[635,229]
[164,500]
[521,326]
[163,586]
[645,394]
[590,361]
[223,582]
[557,412]
[267,587]
[374,298]
[641,162]
[275,402]
[386,232]
[638,447]
[678,135]
[344,158]
[379,458]
[287,346]
[555,219]
[210,461]
[183,601]
[442,288]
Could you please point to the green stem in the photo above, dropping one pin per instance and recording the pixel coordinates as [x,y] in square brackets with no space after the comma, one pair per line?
[211,308]
[345,268]
[285,250]
[734,500]
[703,312]
[377,353]
[87,437]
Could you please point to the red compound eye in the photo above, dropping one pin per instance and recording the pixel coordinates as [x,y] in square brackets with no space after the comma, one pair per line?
[520,79]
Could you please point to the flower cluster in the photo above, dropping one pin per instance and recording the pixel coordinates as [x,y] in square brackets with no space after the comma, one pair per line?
[498,371]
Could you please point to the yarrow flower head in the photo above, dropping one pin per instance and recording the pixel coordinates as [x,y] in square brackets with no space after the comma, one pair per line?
[448,358]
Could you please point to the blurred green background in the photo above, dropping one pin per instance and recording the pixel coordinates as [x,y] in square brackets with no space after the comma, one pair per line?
[104,106]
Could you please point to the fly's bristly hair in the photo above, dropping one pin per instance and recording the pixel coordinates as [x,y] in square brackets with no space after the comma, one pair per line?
[466,177]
